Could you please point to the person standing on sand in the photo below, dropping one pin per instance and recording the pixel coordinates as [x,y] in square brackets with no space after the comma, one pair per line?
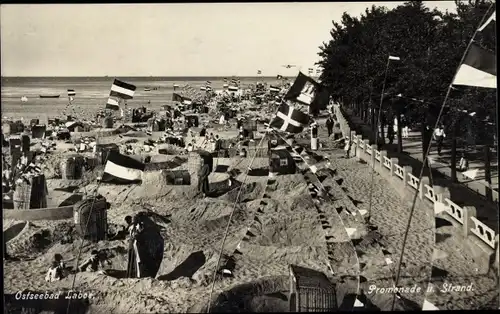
[203,184]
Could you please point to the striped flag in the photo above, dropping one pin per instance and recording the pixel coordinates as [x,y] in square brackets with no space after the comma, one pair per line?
[288,119]
[112,104]
[121,169]
[274,89]
[122,90]
[491,18]
[478,69]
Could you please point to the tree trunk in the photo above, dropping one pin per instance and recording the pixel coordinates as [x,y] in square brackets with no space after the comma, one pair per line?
[454,153]
[373,117]
[382,133]
[367,117]
[487,171]
[400,137]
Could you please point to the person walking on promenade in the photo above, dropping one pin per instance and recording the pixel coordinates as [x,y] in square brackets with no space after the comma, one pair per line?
[439,136]
[347,147]
[329,125]
[390,135]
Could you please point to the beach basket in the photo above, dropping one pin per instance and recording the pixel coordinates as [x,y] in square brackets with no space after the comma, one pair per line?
[250,125]
[102,152]
[311,291]
[177,177]
[108,123]
[38,131]
[25,143]
[72,167]
[192,121]
[34,122]
[282,162]
[90,217]
[15,144]
[30,193]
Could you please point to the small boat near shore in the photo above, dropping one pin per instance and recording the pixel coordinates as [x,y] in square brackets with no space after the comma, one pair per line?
[49,96]
[147,89]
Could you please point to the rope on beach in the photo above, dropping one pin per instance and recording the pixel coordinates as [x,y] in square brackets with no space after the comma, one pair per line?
[83,240]
[229,224]
[327,197]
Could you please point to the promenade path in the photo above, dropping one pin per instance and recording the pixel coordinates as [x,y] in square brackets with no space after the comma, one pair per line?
[466,192]
[390,212]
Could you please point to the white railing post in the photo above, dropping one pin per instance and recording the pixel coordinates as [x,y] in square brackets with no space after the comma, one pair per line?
[421,187]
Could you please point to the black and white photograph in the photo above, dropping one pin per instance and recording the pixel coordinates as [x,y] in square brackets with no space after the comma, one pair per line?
[249,157]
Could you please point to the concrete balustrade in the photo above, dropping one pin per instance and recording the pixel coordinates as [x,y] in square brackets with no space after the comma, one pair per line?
[465,217]
[367,147]
[420,186]
[469,213]
[382,160]
[483,232]
[407,170]
[413,182]
[373,159]
[454,211]
[441,193]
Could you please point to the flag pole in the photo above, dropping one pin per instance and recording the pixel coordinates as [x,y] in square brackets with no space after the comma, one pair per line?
[398,273]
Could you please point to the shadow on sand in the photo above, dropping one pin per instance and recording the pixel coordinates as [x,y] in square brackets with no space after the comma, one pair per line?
[187,268]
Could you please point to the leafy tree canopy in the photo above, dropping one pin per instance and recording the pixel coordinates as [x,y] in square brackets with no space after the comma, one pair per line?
[430,44]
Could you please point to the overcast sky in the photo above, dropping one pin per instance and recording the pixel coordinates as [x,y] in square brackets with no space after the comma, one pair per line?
[211,39]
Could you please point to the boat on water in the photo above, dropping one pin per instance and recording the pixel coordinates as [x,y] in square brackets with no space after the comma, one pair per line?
[50,96]
[147,89]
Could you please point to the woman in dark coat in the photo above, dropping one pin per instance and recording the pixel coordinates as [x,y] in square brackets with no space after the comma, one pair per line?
[146,248]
